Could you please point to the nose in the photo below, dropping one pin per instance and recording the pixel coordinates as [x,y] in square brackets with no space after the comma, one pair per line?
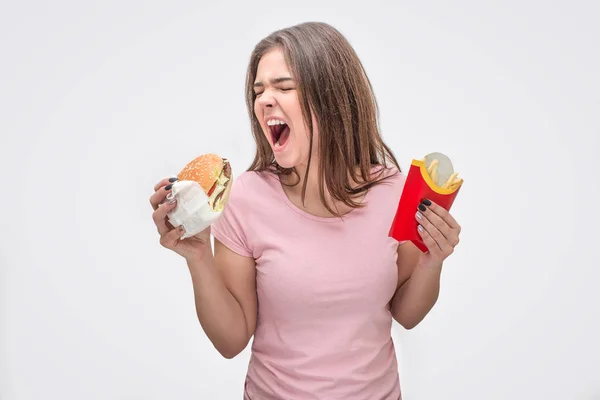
[266,100]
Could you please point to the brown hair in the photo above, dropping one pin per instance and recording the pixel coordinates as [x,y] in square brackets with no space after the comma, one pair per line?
[332,82]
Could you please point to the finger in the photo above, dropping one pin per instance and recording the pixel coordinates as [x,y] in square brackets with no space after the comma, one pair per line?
[164,182]
[429,241]
[434,233]
[445,242]
[160,195]
[170,239]
[160,217]
[428,217]
[442,213]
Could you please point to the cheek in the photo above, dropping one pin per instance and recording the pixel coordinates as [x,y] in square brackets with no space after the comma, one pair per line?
[303,140]
[315,129]
[257,110]
[257,114]
[302,135]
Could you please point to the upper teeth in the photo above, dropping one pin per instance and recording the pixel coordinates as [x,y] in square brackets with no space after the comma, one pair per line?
[275,122]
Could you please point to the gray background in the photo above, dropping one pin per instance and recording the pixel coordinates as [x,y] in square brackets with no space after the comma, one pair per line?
[101,100]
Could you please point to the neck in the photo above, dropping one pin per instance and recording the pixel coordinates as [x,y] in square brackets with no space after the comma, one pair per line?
[312,184]
[313,197]
[312,201]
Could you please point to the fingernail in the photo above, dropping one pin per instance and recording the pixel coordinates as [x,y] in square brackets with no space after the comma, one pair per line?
[173,179]
[168,187]
[181,229]
[420,228]
[170,196]
[426,202]
[172,201]
[419,215]
[422,207]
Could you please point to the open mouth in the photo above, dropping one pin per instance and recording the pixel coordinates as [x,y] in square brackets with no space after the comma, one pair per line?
[280,133]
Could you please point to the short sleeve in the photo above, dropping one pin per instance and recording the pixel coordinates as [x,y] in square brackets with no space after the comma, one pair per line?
[231,227]
[398,179]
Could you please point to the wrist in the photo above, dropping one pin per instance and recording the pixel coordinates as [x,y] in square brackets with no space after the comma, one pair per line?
[426,263]
[199,258]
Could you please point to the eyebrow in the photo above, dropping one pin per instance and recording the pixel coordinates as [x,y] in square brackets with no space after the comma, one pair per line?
[274,81]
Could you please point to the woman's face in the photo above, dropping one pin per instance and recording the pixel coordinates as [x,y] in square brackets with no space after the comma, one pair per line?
[278,111]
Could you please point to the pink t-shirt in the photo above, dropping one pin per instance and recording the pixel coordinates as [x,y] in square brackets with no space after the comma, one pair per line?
[324,286]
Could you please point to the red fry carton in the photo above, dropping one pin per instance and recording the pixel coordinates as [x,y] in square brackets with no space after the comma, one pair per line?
[431,178]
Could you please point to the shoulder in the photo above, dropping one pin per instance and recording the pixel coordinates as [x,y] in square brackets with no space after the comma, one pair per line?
[252,188]
[389,178]
[386,192]
[254,181]
[242,220]
[250,178]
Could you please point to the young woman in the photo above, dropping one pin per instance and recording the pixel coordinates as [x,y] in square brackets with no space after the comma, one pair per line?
[302,259]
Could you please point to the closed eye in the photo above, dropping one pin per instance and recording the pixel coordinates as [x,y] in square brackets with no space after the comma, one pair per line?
[282,89]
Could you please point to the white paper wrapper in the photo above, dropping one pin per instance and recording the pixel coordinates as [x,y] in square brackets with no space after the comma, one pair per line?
[192,209]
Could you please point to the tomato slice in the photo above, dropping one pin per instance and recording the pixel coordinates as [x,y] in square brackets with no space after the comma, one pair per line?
[212,189]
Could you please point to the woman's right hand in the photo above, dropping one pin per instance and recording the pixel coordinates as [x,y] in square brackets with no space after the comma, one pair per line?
[194,247]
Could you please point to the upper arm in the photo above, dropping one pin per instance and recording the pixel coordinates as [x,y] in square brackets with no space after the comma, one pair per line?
[233,252]
[408,257]
[239,276]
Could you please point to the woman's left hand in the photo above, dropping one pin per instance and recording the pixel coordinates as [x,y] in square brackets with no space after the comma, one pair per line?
[439,231]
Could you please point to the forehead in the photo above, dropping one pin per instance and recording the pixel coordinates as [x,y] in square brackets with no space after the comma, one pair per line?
[272,65]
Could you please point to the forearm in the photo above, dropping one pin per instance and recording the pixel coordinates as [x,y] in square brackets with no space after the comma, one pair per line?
[417,296]
[219,313]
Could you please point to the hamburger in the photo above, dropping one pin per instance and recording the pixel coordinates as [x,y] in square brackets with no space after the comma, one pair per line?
[202,191]
[213,174]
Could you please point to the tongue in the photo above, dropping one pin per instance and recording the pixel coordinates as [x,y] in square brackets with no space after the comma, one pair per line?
[285,135]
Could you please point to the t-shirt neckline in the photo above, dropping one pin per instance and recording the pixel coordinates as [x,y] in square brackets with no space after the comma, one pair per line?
[281,192]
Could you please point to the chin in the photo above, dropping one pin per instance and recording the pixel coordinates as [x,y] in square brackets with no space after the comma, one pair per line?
[285,161]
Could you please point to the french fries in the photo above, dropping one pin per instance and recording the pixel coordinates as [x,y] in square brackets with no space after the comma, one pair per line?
[452,183]
[432,170]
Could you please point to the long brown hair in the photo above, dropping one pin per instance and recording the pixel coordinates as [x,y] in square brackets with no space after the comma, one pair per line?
[332,82]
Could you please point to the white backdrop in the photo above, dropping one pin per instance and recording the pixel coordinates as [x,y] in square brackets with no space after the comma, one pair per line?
[99,101]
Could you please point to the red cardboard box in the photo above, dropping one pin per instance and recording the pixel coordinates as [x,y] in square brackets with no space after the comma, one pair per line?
[419,185]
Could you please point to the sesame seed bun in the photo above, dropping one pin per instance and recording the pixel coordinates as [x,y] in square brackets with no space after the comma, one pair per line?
[213,174]
[204,169]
